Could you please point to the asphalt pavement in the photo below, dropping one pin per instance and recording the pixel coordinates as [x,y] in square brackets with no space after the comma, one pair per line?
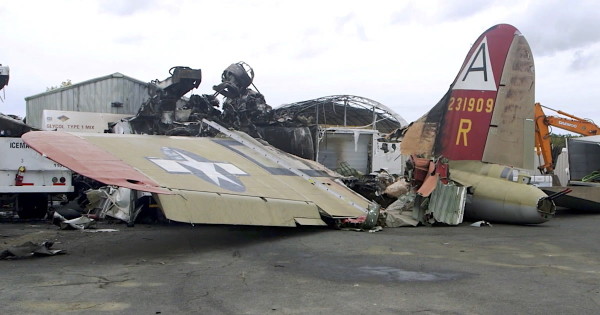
[553,268]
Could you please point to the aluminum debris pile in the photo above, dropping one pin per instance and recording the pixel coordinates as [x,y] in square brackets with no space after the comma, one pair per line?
[425,195]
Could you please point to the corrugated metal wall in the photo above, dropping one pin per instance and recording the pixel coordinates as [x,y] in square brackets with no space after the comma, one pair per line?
[95,95]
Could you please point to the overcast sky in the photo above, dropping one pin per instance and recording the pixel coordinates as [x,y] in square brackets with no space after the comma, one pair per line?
[401,53]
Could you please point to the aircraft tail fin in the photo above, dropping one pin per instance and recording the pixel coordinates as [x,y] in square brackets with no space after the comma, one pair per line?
[487,113]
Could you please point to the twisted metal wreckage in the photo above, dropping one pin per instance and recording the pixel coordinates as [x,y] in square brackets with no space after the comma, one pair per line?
[166,112]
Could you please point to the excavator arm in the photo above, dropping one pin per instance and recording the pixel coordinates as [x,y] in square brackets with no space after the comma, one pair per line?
[543,145]
[570,123]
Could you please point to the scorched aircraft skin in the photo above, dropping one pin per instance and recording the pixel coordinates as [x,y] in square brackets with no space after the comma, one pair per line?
[484,126]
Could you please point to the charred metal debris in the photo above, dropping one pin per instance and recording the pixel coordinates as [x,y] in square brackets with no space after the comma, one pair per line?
[168,112]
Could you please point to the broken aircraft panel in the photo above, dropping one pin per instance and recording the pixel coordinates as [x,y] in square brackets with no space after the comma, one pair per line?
[225,180]
[447,203]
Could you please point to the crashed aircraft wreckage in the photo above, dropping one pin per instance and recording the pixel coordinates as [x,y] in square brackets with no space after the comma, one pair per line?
[460,150]
[482,125]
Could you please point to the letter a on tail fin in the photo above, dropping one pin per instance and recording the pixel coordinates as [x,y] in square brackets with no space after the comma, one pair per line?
[487,113]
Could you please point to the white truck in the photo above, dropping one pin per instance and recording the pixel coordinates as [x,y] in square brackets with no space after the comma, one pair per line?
[28,180]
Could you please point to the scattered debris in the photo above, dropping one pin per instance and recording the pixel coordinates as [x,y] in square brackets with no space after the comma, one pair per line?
[372,186]
[399,213]
[352,224]
[438,199]
[372,216]
[481,223]
[79,223]
[376,229]
[111,201]
[346,170]
[398,188]
[362,223]
[30,249]
[64,213]
[100,230]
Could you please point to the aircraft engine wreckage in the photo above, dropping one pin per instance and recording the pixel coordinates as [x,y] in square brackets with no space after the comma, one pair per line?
[167,113]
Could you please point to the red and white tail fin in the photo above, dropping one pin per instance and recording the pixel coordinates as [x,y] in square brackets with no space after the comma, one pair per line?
[487,114]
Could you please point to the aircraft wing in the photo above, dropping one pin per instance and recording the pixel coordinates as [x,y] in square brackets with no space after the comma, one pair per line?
[207,180]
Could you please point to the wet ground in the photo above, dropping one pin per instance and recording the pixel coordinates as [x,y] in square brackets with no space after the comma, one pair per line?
[157,269]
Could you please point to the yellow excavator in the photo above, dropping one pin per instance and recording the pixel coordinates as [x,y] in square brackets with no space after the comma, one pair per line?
[572,123]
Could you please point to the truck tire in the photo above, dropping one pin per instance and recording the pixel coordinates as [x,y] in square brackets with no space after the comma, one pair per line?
[32,206]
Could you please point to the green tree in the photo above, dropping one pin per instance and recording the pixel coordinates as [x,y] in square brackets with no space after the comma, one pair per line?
[560,141]
[62,85]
